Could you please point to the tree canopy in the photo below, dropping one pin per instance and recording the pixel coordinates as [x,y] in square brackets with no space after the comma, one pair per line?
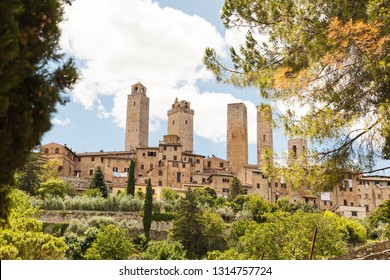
[34,75]
[329,62]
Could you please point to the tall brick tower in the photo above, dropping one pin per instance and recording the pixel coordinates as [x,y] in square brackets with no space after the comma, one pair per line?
[137,118]
[237,136]
[264,132]
[181,123]
[297,150]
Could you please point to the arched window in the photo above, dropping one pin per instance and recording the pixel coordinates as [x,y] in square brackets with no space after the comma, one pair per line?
[46,151]
[57,150]
[294,150]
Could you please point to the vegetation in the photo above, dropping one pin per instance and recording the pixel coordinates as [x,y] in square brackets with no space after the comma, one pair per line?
[34,76]
[164,250]
[189,226]
[131,181]
[235,188]
[148,210]
[98,182]
[330,59]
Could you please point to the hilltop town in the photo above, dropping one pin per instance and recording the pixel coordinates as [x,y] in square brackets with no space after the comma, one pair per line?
[173,163]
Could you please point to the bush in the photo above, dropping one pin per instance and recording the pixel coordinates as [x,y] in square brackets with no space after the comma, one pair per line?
[100,221]
[226,213]
[164,250]
[77,226]
[131,227]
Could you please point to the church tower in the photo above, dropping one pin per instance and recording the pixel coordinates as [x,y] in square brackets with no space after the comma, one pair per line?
[264,132]
[137,118]
[297,150]
[181,123]
[237,136]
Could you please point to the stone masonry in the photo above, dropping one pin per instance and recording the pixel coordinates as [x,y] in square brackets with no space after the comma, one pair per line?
[237,136]
[137,118]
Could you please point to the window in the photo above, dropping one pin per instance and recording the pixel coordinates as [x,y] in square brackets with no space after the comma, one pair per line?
[152,154]
[134,103]
[78,158]
[90,172]
[143,154]
[186,122]
[351,203]
[160,173]
[115,169]
[263,137]
[164,157]
[175,148]
[160,183]
[165,148]
[203,180]
[379,196]
[142,166]
[126,169]
[92,158]
[221,164]
[190,178]
[245,191]
[283,185]
[146,181]
[325,202]
[183,165]
[225,180]
[174,157]
[151,166]
[209,164]
[360,183]
[46,151]
[173,122]
[276,184]
[294,151]
[354,213]
[175,164]
[345,202]
[258,185]
[359,196]
[198,161]
[331,203]
[57,151]
[178,177]
[225,190]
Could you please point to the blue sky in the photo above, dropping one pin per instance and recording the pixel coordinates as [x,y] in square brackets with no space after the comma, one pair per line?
[161,44]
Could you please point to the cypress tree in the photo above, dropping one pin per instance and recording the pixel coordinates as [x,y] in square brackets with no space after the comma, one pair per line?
[131,181]
[99,183]
[148,209]
[235,189]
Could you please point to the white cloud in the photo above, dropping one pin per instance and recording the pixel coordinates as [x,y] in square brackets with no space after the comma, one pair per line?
[65,122]
[119,43]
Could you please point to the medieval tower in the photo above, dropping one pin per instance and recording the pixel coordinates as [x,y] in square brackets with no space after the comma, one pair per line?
[137,118]
[181,123]
[296,150]
[237,136]
[264,132]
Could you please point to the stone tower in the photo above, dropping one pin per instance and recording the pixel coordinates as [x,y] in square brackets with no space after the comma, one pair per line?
[237,136]
[297,150]
[137,118]
[264,132]
[181,123]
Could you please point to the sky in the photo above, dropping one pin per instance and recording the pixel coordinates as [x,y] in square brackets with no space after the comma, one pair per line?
[160,43]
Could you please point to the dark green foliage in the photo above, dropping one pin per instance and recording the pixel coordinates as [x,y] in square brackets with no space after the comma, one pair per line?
[235,189]
[28,177]
[148,209]
[98,182]
[131,179]
[189,226]
[33,76]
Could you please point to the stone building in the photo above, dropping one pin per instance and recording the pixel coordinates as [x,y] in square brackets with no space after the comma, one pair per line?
[137,118]
[173,164]
[237,136]
[264,132]
[181,123]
